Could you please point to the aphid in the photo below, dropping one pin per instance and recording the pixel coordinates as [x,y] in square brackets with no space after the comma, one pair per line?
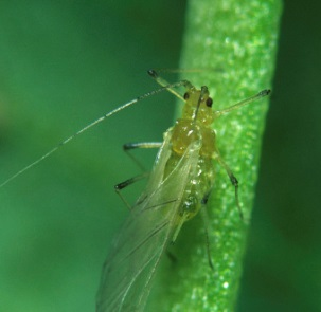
[178,187]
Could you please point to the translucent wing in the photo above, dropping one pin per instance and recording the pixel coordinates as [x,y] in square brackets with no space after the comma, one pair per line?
[130,267]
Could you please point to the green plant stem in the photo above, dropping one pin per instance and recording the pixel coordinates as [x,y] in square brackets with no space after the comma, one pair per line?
[234,44]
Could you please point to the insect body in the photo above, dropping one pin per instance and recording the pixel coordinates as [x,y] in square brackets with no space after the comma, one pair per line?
[179,185]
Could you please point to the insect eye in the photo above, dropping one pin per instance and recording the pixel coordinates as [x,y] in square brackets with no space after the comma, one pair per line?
[186,95]
[209,102]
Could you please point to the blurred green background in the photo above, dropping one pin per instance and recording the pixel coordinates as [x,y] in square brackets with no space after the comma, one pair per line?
[65,63]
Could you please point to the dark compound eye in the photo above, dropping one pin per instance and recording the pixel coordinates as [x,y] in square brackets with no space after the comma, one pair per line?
[209,102]
[186,95]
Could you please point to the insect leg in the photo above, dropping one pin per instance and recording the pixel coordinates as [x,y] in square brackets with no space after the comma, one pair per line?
[127,147]
[234,183]
[143,145]
[171,256]
[204,214]
[126,183]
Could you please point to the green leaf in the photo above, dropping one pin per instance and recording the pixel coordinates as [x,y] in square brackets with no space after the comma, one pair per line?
[233,44]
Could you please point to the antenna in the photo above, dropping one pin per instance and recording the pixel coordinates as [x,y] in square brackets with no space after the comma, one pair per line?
[92,124]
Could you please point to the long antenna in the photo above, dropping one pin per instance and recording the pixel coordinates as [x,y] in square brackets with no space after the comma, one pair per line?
[244,102]
[97,121]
